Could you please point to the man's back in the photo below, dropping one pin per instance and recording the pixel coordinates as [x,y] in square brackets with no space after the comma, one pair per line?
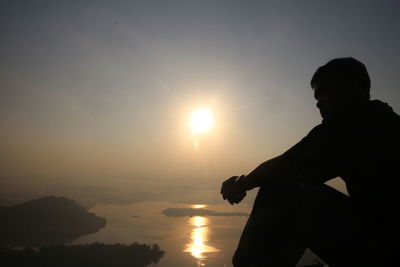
[370,138]
[365,144]
[361,144]
[371,168]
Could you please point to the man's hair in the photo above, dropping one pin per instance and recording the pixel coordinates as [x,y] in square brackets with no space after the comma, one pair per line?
[349,72]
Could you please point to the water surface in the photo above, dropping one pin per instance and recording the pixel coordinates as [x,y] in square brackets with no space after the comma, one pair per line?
[187,241]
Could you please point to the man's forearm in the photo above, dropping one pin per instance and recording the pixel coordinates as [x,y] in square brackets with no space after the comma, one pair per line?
[267,171]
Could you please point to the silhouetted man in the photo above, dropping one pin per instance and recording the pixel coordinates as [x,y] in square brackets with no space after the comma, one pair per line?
[359,141]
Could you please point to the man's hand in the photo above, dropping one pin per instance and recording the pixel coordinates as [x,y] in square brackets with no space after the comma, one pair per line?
[233,189]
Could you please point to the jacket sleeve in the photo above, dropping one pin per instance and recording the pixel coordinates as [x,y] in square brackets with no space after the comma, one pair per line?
[312,161]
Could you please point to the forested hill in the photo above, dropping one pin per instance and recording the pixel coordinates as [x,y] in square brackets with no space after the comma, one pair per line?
[97,254]
[46,221]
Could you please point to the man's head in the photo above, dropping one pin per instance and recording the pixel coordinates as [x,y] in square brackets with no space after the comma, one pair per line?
[340,81]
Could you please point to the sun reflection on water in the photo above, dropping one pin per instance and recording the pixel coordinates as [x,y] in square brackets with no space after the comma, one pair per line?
[199,237]
[198,206]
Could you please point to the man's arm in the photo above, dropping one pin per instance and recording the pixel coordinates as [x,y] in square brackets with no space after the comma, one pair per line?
[269,170]
[311,161]
[234,189]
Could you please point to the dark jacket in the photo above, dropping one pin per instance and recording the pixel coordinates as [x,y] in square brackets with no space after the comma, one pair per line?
[360,144]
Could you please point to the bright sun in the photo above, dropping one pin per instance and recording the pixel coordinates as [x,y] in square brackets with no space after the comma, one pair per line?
[201,120]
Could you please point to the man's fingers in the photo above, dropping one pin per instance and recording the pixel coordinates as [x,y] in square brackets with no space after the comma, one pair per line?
[230,181]
[235,199]
[238,199]
[242,195]
[227,185]
[231,191]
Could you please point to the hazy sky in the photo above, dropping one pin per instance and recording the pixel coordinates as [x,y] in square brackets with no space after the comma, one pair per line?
[93,91]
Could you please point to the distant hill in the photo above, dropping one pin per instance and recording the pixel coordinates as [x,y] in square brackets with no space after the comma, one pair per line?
[46,221]
[97,254]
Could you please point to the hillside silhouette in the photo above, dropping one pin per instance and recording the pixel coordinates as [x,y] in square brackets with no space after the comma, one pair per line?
[96,254]
[46,221]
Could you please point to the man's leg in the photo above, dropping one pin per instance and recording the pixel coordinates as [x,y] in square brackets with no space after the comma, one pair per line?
[287,218]
[268,237]
[336,233]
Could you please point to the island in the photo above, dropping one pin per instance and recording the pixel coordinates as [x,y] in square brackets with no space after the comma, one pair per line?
[190,212]
[46,221]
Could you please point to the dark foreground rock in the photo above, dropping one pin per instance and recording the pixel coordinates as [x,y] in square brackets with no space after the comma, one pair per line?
[46,221]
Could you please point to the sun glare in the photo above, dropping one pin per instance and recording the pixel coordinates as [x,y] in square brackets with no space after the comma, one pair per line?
[201,120]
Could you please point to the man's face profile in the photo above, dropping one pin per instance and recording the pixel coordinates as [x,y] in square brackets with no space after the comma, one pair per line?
[340,83]
[333,93]
[328,96]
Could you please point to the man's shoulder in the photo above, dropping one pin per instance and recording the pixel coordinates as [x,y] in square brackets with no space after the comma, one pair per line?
[360,116]
[382,110]
[317,130]
[376,120]
[320,133]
